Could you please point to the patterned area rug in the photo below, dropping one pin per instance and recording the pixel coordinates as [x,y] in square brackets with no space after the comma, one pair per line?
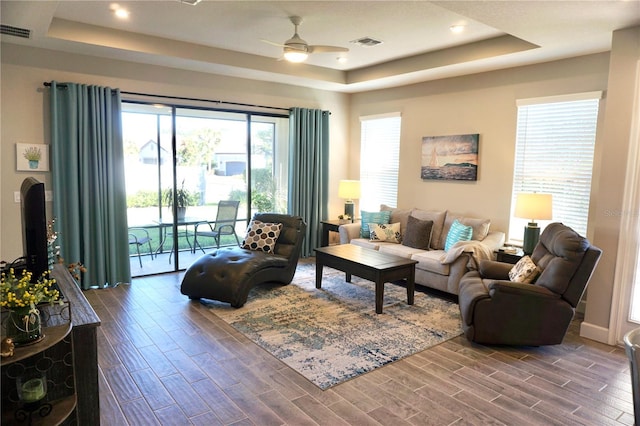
[333,334]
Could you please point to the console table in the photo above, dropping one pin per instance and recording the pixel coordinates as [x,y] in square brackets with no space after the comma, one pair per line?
[85,347]
[67,356]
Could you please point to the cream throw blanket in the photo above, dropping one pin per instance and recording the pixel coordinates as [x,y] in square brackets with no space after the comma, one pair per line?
[478,252]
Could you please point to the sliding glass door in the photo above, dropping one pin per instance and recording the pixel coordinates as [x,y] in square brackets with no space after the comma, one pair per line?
[188,169]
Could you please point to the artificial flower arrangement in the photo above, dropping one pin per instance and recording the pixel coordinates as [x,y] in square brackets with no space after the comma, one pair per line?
[19,293]
[75,268]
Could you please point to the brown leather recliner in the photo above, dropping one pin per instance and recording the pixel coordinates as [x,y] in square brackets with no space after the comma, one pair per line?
[228,274]
[496,310]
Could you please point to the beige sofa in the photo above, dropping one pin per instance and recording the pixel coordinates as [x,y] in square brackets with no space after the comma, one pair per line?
[436,268]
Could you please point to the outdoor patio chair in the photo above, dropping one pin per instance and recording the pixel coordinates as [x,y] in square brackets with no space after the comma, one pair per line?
[138,238]
[225,224]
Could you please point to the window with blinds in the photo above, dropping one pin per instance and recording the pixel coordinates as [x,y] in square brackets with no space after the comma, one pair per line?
[379,160]
[554,154]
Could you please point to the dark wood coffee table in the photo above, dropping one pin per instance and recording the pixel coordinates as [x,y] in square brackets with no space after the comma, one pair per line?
[368,264]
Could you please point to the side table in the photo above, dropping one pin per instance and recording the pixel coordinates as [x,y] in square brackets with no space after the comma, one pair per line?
[330,226]
[507,256]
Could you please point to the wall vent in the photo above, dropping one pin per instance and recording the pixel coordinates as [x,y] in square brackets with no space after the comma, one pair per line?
[15,31]
[367,42]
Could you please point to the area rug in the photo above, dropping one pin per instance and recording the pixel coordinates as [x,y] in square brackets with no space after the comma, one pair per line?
[333,334]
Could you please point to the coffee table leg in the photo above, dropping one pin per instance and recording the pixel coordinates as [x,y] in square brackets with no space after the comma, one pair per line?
[379,295]
[411,287]
[319,267]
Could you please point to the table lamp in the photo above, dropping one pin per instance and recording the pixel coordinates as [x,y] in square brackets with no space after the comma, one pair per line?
[533,206]
[349,190]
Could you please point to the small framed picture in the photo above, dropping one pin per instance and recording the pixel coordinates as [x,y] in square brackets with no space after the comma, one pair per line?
[32,157]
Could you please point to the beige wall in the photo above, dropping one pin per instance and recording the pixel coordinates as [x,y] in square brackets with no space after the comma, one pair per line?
[24,113]
[484,104]
[607,211]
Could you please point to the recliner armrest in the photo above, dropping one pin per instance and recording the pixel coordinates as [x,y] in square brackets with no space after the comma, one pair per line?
[495,270]
[349,231]
[525,290]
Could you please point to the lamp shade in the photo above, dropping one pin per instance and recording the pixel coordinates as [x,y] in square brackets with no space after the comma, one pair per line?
[534,206]
[349,189]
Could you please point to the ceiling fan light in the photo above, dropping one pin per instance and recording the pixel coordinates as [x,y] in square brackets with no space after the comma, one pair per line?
[295,56]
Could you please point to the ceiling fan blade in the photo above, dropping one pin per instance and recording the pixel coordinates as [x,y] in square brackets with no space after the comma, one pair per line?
[327,49]
[273,43]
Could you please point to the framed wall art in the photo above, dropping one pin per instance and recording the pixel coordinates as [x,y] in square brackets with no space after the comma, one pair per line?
[32,157]
[452,157]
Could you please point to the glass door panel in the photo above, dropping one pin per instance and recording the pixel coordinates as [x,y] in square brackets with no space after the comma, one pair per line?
[269,164]
[147,149]
[181,163]
[211,166]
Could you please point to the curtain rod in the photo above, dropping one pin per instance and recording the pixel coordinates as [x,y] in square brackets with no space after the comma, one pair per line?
[47,84]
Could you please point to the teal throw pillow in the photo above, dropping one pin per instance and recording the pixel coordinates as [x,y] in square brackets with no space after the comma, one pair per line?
[372,217]
[457,232]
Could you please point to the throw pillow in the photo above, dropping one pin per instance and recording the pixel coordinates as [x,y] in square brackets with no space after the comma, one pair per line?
[418,233]
[457,232]
[372,217]
[525,271]
[385,232]
[437,235]
[262,236]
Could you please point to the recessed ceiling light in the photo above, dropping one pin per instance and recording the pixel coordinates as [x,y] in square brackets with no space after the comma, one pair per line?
[458,28]
[341,59]
[119,11]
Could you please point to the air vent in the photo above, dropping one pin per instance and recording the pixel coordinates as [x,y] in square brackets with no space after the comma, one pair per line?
[367,42]
[15,31]
[191,2]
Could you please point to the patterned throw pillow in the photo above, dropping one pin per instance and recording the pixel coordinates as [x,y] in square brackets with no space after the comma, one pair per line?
[372,217]
[418,234]
[262,236]
[385,232]
[457,232]
[525,271]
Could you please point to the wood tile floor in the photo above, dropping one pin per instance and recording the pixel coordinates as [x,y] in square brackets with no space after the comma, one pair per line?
[166,360]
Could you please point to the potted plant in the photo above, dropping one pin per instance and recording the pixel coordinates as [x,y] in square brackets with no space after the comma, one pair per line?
[183,200]
[32,155]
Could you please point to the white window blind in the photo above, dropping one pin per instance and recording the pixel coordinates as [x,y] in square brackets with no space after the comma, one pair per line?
[554,154]
[379,160]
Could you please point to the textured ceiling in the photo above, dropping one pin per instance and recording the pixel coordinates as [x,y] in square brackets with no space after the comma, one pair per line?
[225,37]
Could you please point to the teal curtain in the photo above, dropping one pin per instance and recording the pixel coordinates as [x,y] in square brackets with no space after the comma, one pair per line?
[87,159]
[309,171]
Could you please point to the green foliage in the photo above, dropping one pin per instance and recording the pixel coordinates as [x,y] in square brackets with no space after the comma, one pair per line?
[263,191]
[184,198]
[143,199]
[197,148]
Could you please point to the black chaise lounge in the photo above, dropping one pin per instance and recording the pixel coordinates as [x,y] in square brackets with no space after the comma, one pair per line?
[229,273]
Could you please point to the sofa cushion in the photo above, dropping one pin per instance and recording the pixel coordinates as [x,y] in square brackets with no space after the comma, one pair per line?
[261,236]
[480,226]
[525,271]
[399,250]
[397,215]
[430,261]
[418,233]
[389,232]
[366,243]
[457,232]
[372,217]
[438,223]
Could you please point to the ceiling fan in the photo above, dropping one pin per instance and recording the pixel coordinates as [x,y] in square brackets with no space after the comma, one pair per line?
[297,50]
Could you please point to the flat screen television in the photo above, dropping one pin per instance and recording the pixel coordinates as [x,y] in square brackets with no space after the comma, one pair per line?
[34,227]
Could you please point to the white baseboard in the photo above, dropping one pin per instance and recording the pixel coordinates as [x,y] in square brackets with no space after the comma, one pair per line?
[594,332]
